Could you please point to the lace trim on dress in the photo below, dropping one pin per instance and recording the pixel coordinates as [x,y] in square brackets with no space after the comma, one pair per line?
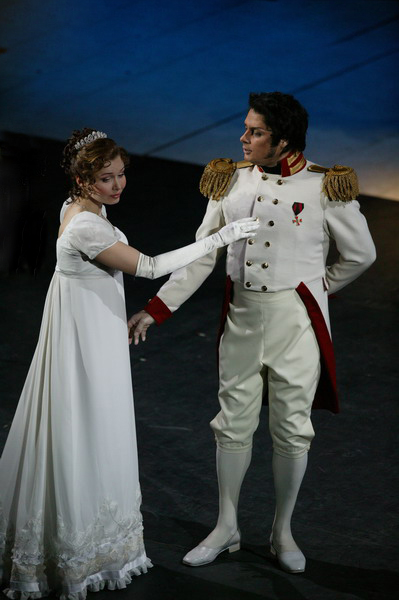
[110,550]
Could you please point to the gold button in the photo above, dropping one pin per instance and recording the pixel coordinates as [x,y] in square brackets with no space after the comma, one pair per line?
[280,182]
[264,177]
[249,263]
[267,244]
[248,284]
[271,223]
[260,198]
[275,201]
[265,265]
[251,241]
[264,288]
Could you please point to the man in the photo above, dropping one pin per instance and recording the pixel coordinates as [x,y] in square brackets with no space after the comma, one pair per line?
[276,336]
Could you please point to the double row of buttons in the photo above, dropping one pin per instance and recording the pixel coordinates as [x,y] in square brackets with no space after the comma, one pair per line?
[264,265]
[249,263]
[252,241]
[261,198]
[279,181]
[248,284]
[275,201]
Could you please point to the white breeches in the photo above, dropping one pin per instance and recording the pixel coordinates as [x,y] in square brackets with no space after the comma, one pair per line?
[268,340]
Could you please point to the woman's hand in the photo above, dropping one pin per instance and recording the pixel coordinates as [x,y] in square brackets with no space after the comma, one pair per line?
[237,230]
[138,325]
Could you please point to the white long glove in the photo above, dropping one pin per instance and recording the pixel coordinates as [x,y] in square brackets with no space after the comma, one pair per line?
[157,266]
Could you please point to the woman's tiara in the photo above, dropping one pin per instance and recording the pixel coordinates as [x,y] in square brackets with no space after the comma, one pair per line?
[94,135]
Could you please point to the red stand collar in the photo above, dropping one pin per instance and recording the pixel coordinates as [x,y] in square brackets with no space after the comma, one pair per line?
[291,164]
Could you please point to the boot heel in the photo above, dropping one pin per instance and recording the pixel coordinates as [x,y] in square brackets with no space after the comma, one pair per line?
[235,547]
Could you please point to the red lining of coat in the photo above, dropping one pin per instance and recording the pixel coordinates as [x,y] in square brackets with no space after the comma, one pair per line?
[326,395]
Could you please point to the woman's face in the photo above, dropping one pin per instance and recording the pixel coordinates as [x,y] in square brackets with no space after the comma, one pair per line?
[109,182]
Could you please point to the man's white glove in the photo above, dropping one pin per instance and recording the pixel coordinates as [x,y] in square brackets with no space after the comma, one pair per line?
[157,266]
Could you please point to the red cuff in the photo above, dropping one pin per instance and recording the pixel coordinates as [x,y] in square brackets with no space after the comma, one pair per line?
[158,310]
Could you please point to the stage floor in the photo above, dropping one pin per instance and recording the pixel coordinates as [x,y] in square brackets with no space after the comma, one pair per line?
[346,519]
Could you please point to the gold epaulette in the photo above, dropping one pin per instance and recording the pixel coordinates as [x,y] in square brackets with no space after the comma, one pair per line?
[340,183]
[217,176]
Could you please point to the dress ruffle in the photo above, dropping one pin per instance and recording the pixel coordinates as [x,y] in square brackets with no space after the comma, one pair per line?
[100,584]
[16,595]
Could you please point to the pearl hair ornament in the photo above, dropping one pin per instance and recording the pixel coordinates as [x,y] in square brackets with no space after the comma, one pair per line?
[94,135]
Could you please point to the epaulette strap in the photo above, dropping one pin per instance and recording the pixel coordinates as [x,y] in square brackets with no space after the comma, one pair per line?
[217,176]
[340,183]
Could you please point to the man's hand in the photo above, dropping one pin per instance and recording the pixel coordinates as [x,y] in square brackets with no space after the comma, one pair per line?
[138,325]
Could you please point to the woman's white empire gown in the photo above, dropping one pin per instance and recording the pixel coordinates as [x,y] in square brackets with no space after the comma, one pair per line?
[69,489]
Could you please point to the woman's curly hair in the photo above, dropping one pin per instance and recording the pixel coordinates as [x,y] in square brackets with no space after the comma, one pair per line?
[85,162]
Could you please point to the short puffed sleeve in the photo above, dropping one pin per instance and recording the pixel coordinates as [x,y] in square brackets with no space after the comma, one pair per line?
[90,234]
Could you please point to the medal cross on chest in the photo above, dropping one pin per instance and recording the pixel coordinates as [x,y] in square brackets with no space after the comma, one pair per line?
[297,208]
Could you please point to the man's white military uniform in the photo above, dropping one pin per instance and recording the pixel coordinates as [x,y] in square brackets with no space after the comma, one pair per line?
[268,334]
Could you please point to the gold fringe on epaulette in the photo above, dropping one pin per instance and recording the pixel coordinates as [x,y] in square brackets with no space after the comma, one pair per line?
[340,183]
[217,176]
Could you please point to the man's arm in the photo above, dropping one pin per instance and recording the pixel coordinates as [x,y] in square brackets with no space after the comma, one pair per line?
[346,224]
[138,325]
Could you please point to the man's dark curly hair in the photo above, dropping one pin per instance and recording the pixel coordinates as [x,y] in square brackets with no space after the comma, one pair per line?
[284,115]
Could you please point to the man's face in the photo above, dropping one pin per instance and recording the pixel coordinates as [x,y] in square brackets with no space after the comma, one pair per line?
[257,142]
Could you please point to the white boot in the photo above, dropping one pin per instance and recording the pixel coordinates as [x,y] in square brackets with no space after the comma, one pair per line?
[288,474]
[231,469]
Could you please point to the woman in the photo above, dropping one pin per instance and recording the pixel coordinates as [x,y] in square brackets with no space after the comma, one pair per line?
[69,492]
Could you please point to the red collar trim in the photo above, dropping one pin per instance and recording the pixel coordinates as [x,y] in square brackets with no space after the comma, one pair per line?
[291,164]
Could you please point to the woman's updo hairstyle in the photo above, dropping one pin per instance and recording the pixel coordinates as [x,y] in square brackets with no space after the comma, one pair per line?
[88,158]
